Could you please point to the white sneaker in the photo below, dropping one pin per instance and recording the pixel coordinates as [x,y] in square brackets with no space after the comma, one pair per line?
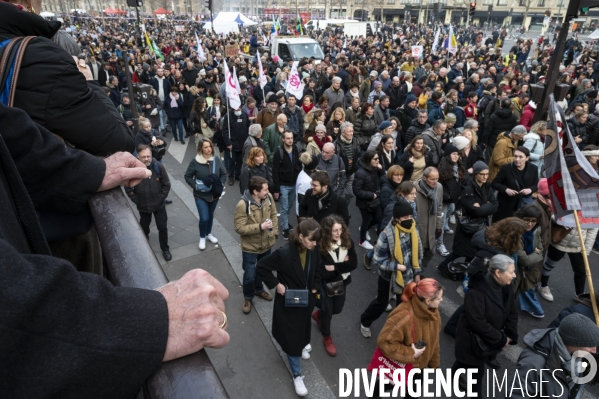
[365,331]
[212,239]
[442,250]
[452,219]
[366,245]
[308,348]
[202,243]
[300,388]
[389,308]
[305,354]
[546,294]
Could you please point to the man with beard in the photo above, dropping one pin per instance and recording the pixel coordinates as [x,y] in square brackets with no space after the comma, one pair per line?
[320,202]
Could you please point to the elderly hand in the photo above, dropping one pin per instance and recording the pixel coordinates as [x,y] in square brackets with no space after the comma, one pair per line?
[195,314]
[123,169]
[82,66]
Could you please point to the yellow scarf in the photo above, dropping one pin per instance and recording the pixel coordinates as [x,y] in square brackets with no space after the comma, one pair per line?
[399,255]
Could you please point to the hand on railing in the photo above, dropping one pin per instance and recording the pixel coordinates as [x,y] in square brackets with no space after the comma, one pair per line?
[123,169]
[196,314]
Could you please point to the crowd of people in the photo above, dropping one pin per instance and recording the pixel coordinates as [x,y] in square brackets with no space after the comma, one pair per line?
[427,148]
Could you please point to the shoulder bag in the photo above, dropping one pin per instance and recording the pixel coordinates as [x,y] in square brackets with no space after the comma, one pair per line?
[380,361]
[10,66]
[200,186]
[335,288]
[558,232]
[471,225]
[298,298]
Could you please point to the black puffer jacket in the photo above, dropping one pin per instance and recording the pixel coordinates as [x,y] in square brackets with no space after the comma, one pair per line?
[578,130]
[56,95]
[501,121]
[408,167]
[366,184]
[414,130]
[235,130]
[149,195]
[364,129]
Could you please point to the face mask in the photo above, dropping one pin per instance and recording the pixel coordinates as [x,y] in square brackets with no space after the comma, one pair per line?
[238,113]
[406,224]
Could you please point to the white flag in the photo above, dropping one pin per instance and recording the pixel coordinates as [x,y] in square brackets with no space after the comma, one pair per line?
[345,44]
[261,75]
[294,85]
[236,81]
[436,41]
[201,54]
[231,89]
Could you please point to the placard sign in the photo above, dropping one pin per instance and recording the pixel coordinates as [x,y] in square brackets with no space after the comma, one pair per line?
[232,50]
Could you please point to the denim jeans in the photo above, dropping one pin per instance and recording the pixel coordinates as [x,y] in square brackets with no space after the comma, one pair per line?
[235,162]
[206,212]
[252,283]
[177,123]
[529,302]
[295,365]
[163,119]
[286,199]
[447,209]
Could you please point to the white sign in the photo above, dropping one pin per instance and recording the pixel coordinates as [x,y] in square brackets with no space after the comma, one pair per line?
[417,52]
[294,85]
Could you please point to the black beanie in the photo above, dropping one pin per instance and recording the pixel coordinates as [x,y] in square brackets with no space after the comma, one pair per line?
[273,99]
[401,209]
[578,330]
[449,149]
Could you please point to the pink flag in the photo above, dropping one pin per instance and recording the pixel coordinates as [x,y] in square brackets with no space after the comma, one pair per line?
[231,88]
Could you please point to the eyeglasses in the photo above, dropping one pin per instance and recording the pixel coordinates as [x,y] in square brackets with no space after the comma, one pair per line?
[530,221]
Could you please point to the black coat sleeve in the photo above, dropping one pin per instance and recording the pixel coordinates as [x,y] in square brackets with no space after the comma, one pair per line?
[74,332]
[270,264]
[57,177]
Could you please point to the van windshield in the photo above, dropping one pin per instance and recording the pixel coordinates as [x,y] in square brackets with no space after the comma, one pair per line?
[299,51]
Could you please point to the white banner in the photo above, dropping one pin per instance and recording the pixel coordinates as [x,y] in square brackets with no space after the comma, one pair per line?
[261,75]
[294,85]
[231,89]
[417,52]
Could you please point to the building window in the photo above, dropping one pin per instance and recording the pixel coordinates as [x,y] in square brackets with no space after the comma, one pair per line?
[502,2]
[405,1]
[390,1]
[560,3]
[541,3]
[488,3]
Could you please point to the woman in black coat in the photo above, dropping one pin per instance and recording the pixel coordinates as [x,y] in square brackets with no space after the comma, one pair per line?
[339,258]
[489,312]
[452,173]
[386,152]
[367,188]
[515,184]
[471,153]
[365,126]
[478,202]
[188,100]
[298,266]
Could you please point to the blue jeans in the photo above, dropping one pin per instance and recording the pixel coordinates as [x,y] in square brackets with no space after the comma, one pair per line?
[206,212]
[448,209]
[529,302]
[163,119]
[295,365]
[286,199]
[252,283]
[177,123]
[235,162]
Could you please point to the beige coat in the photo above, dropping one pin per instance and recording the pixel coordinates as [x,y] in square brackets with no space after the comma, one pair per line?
[427,223]
[248,218]
[503,153]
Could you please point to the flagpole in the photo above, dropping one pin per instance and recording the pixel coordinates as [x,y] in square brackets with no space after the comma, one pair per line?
[587,269]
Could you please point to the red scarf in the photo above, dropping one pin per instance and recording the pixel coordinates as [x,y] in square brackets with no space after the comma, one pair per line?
[307,109]
[319,143]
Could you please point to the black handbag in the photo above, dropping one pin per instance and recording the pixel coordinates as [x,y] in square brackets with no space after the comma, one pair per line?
[158,151]
[471,225]
[374,204]
[335,288]
[298,298]
[481,348]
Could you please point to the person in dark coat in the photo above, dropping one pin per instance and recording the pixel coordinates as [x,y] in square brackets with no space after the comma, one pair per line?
[149,136]
[503,120]
[417,126]
[365,126]
[452,173]
[320,201]
[478,202]
[188,100]
[68,305]
[389,184]
[367,188]
[173,106]
[490,312]
[338,253]
[298,266]
[515,183]
[235,133]
[56,95]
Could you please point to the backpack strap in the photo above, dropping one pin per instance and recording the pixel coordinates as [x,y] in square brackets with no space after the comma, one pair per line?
[10,66]
[156,168]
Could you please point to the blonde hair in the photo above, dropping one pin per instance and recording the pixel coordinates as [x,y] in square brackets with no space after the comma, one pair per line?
[474,140]
[339,109]
[142,122]
[538,127]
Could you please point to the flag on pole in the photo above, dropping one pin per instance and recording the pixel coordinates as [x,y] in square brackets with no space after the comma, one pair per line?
[273,30]
[237,86]
[345,44]
[231,89]
[573,183]
[452,45]
[201,54]
[261,75]
[157,51]
[299,28]
[436,41]
[148,40]
[294,85]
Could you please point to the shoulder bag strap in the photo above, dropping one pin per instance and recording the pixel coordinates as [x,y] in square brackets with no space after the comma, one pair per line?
[308,260]
[413,332]
[10,65]
[17,69]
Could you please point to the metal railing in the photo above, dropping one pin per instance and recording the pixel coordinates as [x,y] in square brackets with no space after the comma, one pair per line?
[132,263]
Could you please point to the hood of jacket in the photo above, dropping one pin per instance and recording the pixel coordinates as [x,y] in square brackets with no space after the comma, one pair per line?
[505,137]
[479,241]
[531,135]
[541,340]
[503,113]
[247,197]
[15,22]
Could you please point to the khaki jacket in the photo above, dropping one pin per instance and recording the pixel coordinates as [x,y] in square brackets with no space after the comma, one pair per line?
[503,153]
[248,217]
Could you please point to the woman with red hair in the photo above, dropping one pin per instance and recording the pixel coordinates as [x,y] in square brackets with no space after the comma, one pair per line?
[415,320]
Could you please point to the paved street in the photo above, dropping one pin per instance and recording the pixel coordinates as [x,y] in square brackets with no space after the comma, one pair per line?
[251,355]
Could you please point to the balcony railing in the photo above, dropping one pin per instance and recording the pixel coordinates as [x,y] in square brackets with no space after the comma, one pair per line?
[132,263]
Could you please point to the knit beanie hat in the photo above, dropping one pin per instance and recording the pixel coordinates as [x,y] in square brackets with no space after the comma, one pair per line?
[478,167]
[320,128]
[449,148]
[543,186]
[592,94]
[577,330]
[273,99]
[401,209]
[460,142]
[310,162]
[377,83]
[411,97]
[384,125]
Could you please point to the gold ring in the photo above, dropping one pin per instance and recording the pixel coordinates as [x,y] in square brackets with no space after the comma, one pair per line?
[224,321]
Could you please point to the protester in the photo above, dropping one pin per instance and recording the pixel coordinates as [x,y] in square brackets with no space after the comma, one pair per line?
[429,204]
[255,165]
[321,201]
[367,190]
[286,168]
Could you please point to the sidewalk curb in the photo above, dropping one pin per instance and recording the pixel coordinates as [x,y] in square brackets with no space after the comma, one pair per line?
[315,382]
